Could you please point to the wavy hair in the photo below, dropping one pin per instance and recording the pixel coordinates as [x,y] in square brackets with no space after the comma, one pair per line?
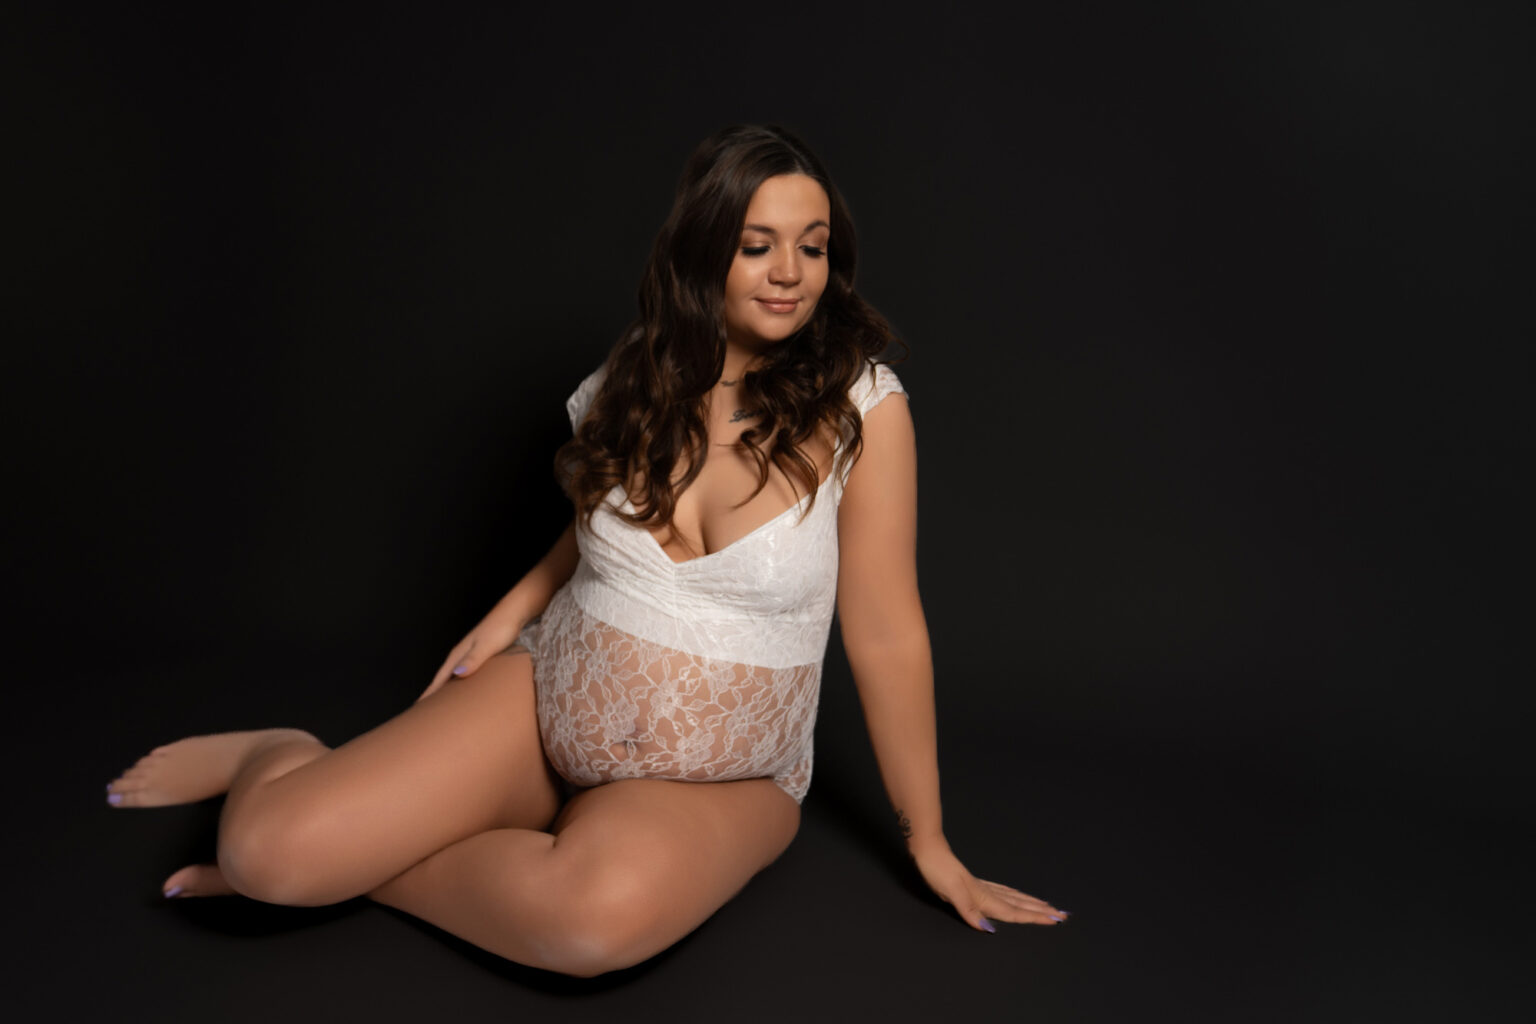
[648,414]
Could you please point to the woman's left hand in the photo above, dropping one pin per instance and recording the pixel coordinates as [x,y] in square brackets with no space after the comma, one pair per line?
[979,902]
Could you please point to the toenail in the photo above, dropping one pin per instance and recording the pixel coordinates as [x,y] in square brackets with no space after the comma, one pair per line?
[114,799]
[174,890]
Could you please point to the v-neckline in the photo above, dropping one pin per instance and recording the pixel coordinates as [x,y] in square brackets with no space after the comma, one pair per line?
[759,528]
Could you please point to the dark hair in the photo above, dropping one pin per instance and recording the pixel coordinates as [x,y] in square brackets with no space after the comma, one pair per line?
[649,411]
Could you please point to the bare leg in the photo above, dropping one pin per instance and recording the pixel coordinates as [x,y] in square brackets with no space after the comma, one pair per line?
[630,868]
[303,826]
[438,811]
[197,767]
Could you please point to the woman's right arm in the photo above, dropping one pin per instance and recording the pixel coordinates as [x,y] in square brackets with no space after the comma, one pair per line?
[503,623]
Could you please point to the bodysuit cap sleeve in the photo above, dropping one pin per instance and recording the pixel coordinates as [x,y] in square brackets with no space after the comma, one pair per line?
[872,387]
[581,399]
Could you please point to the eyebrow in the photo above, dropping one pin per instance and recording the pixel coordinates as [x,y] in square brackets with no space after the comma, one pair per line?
[765,229]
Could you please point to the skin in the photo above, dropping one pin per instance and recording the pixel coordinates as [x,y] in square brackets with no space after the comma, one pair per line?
[450,811]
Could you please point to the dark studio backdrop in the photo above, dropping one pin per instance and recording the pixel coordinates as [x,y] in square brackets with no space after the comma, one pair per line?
[1222,424]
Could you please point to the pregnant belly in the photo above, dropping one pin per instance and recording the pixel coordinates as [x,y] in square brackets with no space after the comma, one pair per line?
[614,706]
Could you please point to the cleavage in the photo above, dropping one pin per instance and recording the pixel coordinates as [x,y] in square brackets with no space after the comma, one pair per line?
[707,518]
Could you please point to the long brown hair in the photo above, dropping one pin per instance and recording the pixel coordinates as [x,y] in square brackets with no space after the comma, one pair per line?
[649,411]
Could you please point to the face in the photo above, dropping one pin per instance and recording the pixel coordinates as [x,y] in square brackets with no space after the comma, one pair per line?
[780,269]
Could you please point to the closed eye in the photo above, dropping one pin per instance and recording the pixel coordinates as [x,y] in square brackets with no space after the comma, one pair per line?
[813,251]
[754,250]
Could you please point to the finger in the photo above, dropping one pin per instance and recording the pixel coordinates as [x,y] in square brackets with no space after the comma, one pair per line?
[460,660]
[452,667]
[438,678]
[1018,913]
[1012,895]
[970,912]
[466,660]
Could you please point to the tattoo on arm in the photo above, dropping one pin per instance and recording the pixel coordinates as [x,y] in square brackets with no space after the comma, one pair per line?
[903,824]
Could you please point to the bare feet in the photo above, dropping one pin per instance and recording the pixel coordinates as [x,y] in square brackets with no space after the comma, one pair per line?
[193,769]
[197,880]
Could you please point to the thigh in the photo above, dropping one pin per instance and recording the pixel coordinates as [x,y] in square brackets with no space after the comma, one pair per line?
[465,760]
[648,860]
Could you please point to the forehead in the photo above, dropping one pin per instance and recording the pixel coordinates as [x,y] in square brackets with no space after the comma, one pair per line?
[789,202]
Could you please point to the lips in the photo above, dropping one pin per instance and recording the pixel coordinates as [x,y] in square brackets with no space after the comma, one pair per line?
[780,305]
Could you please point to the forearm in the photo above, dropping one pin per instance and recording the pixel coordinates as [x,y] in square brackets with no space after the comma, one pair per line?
[895,684]
[528,599]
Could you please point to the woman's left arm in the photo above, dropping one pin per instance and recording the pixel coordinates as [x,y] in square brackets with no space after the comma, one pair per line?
[886,639]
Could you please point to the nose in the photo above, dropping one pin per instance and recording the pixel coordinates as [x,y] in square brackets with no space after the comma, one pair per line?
[786,269]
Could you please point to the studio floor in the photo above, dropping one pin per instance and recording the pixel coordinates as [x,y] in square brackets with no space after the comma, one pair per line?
[1203,886]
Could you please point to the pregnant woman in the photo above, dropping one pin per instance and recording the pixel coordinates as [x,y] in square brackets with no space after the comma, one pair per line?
[625,739]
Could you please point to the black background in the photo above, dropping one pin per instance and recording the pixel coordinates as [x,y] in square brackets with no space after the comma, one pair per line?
[1220,388]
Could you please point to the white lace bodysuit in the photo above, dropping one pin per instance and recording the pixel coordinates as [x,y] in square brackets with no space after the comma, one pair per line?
[704,670]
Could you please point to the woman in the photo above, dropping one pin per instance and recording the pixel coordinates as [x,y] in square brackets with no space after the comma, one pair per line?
[624,740]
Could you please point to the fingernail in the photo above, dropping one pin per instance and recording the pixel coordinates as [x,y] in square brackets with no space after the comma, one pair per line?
[1056,917]
[114,799]
[174,890]
[459,670]
[986,926]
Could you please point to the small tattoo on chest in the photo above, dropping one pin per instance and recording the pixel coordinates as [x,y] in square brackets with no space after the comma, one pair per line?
[741,414]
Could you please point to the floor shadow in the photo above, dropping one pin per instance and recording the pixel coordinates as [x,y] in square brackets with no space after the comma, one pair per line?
[548,982]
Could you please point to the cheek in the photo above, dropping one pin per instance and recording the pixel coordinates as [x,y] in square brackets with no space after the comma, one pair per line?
[738,283]
[823,275]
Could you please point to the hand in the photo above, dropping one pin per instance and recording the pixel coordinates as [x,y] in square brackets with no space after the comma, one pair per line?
[494,634]
[975,900]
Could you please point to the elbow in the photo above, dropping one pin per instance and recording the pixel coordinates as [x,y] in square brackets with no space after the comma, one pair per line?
[902,643]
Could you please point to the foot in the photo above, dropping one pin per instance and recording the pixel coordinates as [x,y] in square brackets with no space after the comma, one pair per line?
[197,880]
[193,769]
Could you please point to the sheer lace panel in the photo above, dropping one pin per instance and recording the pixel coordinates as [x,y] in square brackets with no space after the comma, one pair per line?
[615,706]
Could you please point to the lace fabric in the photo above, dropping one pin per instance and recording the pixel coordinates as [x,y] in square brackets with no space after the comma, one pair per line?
[704,670]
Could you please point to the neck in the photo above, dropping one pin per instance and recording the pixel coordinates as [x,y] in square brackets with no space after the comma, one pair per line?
[738,360]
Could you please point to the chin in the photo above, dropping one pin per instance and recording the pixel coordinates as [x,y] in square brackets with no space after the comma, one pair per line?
[778,332]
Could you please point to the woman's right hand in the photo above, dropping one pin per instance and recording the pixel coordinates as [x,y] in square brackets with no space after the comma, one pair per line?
[495,634]
[524,602]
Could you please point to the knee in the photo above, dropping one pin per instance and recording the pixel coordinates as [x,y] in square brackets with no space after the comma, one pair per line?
[614,919]
[278,857]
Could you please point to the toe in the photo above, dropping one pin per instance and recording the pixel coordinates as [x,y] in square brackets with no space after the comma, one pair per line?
[196,880]
[130,793]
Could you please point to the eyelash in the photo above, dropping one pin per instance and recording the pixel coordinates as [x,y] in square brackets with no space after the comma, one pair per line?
[762,250]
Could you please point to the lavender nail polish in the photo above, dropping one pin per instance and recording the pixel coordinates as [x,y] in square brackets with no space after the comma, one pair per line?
[114,799]
[987,926]
[174,890]
[1056,917]
[459,670]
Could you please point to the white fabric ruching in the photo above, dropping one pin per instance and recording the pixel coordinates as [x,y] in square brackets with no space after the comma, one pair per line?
[704,670]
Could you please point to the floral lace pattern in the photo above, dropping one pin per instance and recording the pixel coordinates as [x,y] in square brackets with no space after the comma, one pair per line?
[704,670]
